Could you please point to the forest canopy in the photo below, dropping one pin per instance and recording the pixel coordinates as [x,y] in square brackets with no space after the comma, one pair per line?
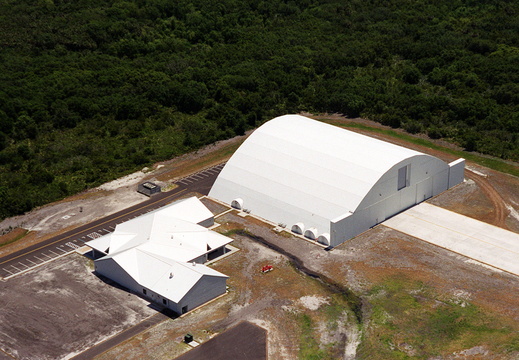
[92,89]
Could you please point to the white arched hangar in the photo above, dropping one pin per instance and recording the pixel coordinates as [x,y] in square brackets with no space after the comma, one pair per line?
[306,174]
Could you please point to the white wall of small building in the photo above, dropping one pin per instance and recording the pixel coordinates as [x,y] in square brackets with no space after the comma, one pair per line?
[456,172]
[110,269]
[206,289]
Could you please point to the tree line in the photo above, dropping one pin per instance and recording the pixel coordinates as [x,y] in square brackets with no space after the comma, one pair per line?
[92,89]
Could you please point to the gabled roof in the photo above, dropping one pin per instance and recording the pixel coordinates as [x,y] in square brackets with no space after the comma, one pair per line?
[156,249]
[176,239]
[161,274]
[172,229]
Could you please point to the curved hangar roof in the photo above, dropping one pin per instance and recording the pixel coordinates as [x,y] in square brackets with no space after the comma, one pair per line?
[294,168]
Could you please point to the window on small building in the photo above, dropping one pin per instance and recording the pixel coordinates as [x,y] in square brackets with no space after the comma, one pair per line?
[144,291]
[403,177]
[164,301]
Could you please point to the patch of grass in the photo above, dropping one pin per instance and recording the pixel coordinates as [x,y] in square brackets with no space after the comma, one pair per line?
[409,321]
[308,345]
[15,235]
[237,231]
[489,162]
[333,314]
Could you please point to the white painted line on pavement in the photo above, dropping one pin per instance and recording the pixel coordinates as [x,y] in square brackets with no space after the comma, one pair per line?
[43,262]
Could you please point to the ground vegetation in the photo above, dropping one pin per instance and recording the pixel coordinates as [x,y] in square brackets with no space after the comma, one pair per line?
[92,89]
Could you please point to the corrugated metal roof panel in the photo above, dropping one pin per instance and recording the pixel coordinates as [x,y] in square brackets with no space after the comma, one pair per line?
[294,169]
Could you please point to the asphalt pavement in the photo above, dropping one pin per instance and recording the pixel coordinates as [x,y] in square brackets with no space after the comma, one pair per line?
[63,244]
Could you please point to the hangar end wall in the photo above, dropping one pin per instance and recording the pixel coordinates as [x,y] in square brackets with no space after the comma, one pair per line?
[407,183]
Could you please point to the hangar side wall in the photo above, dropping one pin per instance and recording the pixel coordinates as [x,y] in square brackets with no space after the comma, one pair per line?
[268,207]
[426,176]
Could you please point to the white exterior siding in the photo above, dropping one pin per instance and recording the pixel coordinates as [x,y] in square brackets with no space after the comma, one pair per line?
[456,172]
[207,288]
[160,256]
[427,177]
[110,269]
[294,170]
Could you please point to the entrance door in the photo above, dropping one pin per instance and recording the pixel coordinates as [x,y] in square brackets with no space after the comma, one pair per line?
[424,190]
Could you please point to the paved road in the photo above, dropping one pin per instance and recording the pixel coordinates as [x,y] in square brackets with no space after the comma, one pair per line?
[53,248]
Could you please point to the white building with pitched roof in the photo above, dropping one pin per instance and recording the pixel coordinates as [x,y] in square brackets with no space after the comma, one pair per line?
[161,255]
[325,182]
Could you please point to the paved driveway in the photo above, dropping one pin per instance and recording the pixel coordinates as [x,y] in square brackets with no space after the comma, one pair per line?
[480,241]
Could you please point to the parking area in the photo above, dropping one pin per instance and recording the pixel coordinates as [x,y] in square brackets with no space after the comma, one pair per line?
[475,239]
[215,170]
[61,308]
[48,253]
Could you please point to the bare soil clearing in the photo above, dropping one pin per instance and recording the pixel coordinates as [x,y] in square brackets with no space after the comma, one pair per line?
[61,308]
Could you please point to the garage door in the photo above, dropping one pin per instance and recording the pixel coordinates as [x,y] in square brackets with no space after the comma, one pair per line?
[480,241]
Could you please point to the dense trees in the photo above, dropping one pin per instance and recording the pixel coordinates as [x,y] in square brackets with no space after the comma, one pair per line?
[91,89]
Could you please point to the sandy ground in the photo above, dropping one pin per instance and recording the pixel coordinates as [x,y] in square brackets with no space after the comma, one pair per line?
[62,308]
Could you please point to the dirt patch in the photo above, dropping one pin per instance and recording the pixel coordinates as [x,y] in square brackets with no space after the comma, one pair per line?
[277,300]
[290,304]
[61,308]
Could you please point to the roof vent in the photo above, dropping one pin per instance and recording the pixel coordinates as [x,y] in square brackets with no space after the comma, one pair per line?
[170,275]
